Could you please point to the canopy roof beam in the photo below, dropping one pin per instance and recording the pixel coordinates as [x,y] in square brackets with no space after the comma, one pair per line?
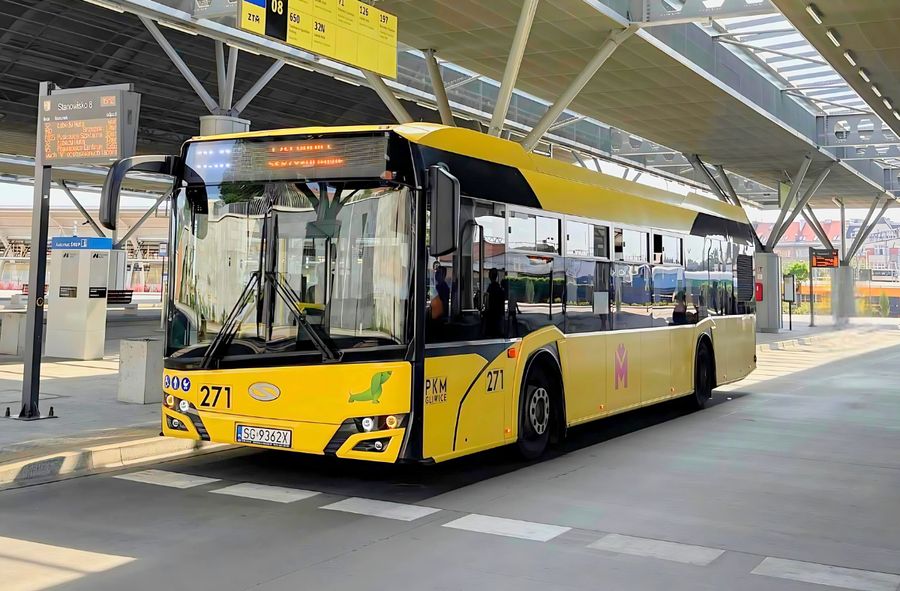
[387,96]
[607,48]
[440,91]
[513,63]
[803,201]
[788,201]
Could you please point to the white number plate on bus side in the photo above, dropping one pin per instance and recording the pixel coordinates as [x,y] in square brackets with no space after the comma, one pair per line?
[263,436]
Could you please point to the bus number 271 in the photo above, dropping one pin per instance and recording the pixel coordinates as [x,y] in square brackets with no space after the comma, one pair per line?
[494,380]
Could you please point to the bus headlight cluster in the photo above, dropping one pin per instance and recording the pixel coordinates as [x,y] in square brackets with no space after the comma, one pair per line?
[380,423]
[184,406]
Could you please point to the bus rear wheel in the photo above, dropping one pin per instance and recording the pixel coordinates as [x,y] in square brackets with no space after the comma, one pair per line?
[704,372]
[535,415]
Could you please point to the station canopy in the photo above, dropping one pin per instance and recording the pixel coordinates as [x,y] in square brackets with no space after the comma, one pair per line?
[691,81]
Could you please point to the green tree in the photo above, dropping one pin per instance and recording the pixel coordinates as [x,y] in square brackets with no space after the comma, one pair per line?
[884,305]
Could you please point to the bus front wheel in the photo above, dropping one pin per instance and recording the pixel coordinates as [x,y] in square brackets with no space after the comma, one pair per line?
[704,376]
[535,415]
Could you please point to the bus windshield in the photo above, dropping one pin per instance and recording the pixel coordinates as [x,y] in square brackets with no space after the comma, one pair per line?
[281,265]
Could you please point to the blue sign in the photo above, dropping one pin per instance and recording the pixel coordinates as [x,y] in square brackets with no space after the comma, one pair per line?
[185,384]
[78,243]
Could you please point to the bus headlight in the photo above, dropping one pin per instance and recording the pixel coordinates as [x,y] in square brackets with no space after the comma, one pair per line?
[368,423]
[184,406]
[391,422]
[170,401]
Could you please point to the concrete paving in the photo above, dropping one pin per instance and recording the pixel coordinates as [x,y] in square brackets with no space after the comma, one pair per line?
[791,482]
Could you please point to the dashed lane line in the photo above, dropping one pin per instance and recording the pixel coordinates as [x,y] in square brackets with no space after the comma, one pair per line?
[823,574]
[384,509]
[165,478]
[511,528]
[264,492]
[672,551]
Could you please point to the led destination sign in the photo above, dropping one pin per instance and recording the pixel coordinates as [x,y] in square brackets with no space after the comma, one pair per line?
[225,161]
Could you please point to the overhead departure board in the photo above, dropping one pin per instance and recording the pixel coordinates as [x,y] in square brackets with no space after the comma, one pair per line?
[92,127]
[349,31]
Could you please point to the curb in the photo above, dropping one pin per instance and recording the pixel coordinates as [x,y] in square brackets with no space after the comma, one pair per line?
[90,459]
[793,344]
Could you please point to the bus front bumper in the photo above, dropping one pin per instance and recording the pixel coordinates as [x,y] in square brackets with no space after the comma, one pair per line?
[344,440]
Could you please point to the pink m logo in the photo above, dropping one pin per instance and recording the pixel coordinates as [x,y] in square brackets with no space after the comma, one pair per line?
[621,366]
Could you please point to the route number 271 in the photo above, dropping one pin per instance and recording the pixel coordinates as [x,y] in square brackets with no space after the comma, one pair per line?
[494,380]
[213,394]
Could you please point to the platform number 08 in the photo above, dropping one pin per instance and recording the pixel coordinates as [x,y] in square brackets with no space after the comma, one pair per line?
[278,6]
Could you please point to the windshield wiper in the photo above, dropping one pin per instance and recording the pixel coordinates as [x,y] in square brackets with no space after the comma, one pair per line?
[319,337]
[230,327]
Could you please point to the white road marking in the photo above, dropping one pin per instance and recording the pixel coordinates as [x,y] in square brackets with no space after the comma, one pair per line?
[32,566]
[822,574]
[264,492]
[685,553]
[165,478]
[383,509]
[511,528]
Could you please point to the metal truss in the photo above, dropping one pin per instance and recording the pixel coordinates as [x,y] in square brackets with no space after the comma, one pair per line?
[854,130]
[670,12]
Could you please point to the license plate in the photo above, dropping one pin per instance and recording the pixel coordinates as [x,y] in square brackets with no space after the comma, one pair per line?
[263,436]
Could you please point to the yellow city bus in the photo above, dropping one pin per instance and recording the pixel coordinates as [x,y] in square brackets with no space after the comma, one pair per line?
[417,293]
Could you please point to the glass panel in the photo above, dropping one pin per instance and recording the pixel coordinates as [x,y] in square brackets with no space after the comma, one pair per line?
[634,248]
[671,250]
[579,239]
[536,289]
[522,228]
[547,234]
[631,296]
[587,296]
[601,241]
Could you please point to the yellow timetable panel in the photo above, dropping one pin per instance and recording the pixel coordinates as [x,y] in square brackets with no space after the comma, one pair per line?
[349,31]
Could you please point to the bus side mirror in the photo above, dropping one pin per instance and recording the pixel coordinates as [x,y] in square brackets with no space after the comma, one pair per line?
[112,186]
[443,191]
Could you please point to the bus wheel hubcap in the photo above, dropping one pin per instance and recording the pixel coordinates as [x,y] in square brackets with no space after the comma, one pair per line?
[539,411]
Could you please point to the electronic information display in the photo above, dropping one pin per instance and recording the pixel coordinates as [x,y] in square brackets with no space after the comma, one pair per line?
[349,31]
[88,127]
[824,258]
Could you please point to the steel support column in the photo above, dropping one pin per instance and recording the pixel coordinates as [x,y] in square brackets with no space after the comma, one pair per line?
[813,222]
[864,225]
[437,85]
[124,240]
[257,87]
[37,277]
[788,202]
[389,99]
[864,232]
[513,63]
[228,99]
[81,209]
[607,48]
[727,186]
[220,69]
[803,201]
[707,177]
[843,230]
[180,65]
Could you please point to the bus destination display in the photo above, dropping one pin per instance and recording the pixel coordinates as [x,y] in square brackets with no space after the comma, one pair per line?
[349,31]
[82,128]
